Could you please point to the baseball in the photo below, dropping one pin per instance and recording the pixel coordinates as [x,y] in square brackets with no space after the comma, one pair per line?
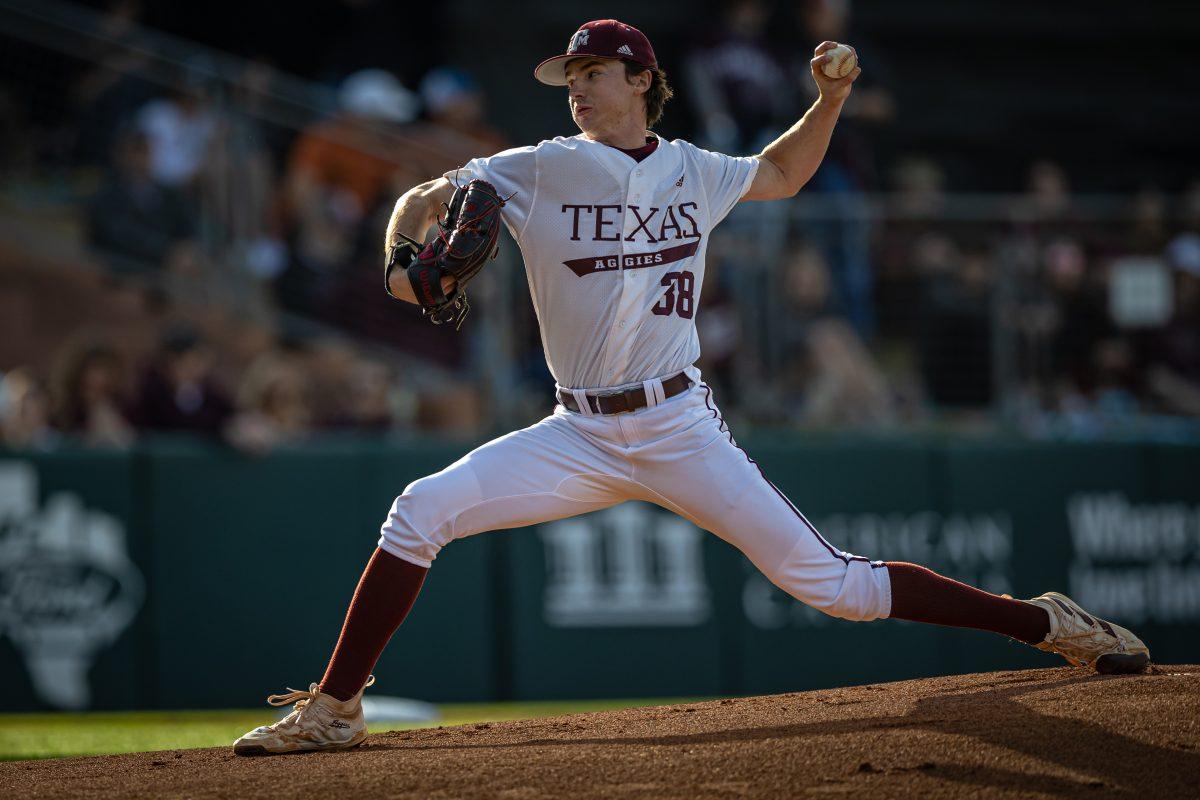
[841,63]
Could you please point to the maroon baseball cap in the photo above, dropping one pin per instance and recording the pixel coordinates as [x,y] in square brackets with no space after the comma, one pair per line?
[602,38]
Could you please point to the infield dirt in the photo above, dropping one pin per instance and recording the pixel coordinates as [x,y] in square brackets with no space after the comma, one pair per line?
[1050,732]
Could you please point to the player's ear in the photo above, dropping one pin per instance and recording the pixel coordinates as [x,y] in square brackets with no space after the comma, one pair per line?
[644,79]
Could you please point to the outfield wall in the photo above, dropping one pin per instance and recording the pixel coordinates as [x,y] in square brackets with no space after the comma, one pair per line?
[183,575]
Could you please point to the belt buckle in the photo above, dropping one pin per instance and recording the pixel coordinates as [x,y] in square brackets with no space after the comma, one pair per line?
[626,394]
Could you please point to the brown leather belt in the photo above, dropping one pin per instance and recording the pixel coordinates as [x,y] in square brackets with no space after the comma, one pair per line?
[627,400]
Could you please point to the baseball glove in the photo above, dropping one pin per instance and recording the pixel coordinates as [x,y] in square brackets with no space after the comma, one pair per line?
[466,240]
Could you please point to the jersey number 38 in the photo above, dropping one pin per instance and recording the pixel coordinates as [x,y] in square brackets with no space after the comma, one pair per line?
[679,297]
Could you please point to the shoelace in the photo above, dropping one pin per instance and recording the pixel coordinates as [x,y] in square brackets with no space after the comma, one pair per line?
[302,699]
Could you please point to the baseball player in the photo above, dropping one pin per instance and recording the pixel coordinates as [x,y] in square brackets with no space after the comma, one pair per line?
[613,224]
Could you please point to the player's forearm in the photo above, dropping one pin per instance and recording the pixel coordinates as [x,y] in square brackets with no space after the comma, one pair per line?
[800,150]
[415,212]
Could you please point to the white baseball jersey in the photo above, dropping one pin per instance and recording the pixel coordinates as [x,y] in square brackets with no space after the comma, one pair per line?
[614,249]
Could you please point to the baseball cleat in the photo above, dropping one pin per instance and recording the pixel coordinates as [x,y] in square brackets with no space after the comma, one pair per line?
[318,722]
[1086,640]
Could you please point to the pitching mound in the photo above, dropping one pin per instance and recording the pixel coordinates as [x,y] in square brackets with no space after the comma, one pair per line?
[1061,732]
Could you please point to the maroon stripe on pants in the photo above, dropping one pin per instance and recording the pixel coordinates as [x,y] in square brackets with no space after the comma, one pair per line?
[722,426]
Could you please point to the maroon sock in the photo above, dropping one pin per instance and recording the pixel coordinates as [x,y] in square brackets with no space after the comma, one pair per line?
[921,595]
[386,591]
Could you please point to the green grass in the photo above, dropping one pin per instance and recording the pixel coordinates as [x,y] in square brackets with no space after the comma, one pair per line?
[54,735]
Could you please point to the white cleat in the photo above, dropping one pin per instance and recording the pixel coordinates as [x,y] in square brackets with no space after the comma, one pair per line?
[318,722]
[1087,640]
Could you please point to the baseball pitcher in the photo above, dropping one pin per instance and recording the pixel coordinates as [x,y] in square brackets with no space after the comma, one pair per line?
[613,224]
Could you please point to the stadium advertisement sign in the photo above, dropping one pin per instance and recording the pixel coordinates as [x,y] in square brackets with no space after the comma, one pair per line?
[1135,562]
[69,591]
[127,579]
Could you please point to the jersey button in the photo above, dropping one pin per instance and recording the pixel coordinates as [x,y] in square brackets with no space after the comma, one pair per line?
[638,173]
[622,324]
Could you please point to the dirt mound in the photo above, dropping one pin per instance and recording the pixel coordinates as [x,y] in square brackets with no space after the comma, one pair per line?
[1060,732]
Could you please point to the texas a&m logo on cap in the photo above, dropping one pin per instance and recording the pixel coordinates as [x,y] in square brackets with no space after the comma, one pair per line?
[580,39]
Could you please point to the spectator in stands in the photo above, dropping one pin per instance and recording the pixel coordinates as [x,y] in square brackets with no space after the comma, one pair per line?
[737,83]
[242,185]
[954,324]
[452,408]
[371,396]
[329,365]
[273,403]
[1046,210]
[1048,191]
[1080,319]
[24,412]
[1147,230]
[87,394]
[240,342]
[456,110]
[137,224]
[1174,374]
[919,189]
[178,392]
[347,390]
[338,172]
[1117,378]
[914,210]
[830,369]
[180,129]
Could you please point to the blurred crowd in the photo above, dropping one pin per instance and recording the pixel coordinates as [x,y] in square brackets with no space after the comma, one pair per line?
[240,387]
[220,229]
[221,214]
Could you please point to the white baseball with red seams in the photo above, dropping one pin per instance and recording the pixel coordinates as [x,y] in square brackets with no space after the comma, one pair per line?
[614,252]
[841,63]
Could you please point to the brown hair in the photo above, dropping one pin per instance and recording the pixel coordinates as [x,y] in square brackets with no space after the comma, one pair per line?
[71,365]
[657,95]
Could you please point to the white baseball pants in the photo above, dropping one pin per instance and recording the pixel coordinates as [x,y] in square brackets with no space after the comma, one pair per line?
[677,454]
